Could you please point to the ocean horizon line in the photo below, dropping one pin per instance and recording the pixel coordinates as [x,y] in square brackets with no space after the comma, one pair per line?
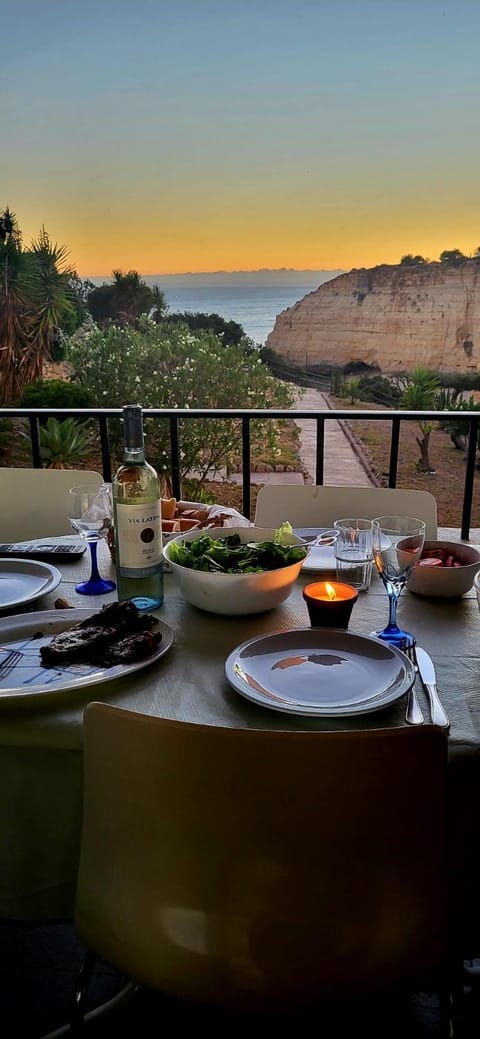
[270,275]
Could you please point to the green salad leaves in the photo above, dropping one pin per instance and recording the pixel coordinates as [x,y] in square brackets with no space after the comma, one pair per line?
[229,556]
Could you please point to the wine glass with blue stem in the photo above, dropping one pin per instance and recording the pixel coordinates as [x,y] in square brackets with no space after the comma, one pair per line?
[90,515]
[397,547]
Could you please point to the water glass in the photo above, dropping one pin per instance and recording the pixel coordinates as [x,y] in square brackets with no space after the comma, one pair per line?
[353,550]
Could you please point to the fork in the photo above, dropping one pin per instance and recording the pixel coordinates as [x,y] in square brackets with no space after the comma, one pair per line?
[413,714]
[11,660]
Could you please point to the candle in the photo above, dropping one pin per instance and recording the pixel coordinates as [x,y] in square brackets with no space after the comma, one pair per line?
[329,603]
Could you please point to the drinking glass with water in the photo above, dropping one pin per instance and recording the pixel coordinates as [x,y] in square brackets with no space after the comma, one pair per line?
[354,552]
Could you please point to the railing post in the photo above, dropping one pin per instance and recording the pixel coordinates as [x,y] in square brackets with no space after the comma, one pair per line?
[35,442]
[394,442]
[469,479]
[105,448]
[175,456]
[246,466]
[320,452]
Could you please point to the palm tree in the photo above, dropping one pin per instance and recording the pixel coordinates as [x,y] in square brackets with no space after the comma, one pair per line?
[14,326]
[420,394]
[47,278]
[35,297]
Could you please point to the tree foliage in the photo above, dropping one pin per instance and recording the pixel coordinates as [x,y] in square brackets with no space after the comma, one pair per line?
[167,366]
[230,332]
[409,260]
[453,256]
[35,301]
[420,394]
[125,299]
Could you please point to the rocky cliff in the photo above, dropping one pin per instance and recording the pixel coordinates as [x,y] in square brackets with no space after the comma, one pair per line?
[393,317]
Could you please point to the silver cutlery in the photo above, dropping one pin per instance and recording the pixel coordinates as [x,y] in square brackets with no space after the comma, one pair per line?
[327,537]
[414,713]
[424,665]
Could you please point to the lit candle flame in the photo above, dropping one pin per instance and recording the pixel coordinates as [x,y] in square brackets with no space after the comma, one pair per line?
[330,590]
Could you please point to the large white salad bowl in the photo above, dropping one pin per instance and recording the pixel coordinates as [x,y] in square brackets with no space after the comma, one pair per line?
[235,593]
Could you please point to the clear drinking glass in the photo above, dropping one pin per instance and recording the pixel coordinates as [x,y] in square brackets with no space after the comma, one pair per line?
[353,551]
[90,515]
[397,546]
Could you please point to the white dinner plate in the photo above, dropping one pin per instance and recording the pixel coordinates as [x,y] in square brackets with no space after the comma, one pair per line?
[319,671]
[24,580]
[320,557]
[28,679]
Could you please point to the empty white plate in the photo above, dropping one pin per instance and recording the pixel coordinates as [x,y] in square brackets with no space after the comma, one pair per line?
[24,580]
[319,671]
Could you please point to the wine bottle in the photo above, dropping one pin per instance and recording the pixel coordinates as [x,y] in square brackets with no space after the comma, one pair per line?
[137,519]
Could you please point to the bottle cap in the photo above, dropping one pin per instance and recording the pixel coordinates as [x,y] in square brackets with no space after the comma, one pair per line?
[133,426]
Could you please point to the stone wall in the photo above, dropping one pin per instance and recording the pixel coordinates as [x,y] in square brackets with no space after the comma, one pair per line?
[395,317]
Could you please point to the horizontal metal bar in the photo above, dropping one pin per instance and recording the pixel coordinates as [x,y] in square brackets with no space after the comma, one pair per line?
[245,416]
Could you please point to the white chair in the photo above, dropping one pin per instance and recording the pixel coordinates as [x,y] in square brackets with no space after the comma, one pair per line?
[262,870]
[34,501]
[312,506]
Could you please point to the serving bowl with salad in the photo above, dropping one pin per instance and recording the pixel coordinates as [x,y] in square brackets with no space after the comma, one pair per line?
[236,570]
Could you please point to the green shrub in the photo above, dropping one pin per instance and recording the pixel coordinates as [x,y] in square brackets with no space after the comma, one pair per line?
[168,366]
[381,390]
[56,393]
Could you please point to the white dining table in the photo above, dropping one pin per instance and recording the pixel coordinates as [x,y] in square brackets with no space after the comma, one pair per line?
[41,742]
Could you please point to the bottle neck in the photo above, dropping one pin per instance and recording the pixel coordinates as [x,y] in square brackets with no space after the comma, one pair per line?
[134,455]
[133,452]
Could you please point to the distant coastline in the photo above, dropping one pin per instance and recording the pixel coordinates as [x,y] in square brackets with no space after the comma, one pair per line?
[264,277]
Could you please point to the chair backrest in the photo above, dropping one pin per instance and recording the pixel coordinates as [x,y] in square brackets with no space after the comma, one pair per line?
[34,501]
[311,506]
[262,868]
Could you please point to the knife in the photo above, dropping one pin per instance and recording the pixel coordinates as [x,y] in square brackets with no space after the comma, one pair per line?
[427,674]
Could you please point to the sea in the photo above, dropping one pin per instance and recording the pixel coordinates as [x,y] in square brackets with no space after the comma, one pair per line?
[253,307]
[252,298]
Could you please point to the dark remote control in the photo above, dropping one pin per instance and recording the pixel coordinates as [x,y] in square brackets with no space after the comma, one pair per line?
[47,550]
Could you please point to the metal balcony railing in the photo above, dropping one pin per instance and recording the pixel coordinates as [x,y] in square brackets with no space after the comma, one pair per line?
[392,418]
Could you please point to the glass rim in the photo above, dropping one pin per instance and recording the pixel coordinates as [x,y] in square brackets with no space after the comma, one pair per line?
[85,488]
[351,522]
[412,524]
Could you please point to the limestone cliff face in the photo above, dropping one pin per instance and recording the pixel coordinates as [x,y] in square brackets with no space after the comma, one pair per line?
[394,317]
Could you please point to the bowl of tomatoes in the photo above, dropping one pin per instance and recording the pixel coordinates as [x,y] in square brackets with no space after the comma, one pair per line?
[446,570]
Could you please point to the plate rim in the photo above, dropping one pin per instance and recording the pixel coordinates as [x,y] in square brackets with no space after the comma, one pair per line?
[365,707]
[35,563]
[18,693]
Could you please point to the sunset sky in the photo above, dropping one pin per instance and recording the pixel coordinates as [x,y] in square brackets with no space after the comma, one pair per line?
[198,135]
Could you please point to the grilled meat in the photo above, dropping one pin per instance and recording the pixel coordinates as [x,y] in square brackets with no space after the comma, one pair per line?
[118,633]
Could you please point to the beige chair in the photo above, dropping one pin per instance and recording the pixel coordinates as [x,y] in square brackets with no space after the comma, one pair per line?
[311,506]
[34,501]
[262,870]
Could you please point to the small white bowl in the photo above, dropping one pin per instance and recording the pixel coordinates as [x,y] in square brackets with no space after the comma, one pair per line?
[446,582]
[235,593]
[476,585]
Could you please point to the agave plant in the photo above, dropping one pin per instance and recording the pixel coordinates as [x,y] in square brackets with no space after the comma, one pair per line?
[63,444]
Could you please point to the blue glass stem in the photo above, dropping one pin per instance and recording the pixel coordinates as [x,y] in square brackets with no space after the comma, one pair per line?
[393,592]
[94,576]
[95,584]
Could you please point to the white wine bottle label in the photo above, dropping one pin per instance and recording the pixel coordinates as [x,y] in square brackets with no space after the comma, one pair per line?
[139,534]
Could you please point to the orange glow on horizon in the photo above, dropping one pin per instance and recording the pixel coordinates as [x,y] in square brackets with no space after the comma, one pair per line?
[103,243]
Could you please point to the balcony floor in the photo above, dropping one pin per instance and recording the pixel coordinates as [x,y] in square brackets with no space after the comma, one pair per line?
[38,968]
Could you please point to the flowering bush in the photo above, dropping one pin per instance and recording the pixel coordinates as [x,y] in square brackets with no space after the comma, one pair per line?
[164,366]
